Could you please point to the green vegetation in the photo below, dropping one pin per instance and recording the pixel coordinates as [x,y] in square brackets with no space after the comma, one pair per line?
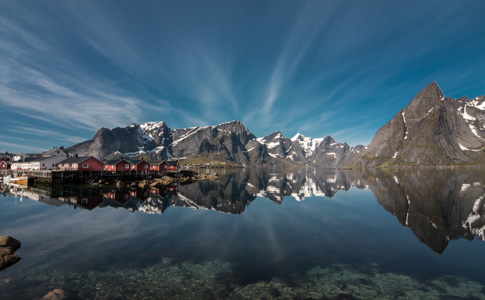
[204,162]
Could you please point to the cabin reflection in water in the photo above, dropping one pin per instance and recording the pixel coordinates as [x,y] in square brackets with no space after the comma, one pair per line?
[437,205]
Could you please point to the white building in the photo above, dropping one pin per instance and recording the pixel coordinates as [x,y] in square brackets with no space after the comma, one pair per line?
[37,163]
[55,152]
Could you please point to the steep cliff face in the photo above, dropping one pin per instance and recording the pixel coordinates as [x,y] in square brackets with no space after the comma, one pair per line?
[431,130]
[225,142]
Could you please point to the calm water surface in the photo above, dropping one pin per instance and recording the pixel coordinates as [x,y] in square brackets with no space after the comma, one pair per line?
[301,234]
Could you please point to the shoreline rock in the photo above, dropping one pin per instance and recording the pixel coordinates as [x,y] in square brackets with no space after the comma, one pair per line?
[153,181]
[8,246]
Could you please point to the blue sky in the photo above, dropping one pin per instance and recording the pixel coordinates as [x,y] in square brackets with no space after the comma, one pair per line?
[340,68]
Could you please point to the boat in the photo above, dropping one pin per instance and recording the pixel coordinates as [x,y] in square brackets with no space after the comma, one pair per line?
[20,180]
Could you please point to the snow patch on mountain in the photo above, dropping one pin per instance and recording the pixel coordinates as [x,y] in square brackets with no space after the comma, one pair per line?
[466,116]
[405,125]
[308,144]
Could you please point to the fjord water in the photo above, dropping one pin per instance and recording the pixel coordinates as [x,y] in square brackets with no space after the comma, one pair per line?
[267,234]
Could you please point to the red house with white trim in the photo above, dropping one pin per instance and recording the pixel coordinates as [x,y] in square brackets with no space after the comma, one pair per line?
[172,165]
[5,162]
[5,165]
[140,165]
[117,165]
[87,163]
[161,166]
[158,166]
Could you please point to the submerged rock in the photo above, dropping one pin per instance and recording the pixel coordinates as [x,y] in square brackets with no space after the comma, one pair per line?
[8,246]
[56,294]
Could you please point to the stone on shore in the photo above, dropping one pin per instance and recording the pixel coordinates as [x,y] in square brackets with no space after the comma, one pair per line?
[8,245]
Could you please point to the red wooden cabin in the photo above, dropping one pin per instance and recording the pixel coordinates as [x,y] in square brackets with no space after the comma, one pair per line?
[158,166]
[172,165]
[5,162]
[5,165]
[140,165]
[117,165]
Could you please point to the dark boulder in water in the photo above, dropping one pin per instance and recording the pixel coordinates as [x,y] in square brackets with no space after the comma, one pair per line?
[8,246]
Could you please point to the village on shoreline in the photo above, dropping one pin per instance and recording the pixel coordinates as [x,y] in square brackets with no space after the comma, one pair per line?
[56,166]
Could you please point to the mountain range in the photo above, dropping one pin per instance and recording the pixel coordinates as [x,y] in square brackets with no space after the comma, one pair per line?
[431,130]
[229,142]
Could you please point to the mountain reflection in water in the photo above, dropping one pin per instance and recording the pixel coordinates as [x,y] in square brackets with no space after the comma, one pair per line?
[438,205]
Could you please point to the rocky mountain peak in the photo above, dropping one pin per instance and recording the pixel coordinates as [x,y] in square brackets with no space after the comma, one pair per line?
[274,135]
[329,140]
[298,137]
[423,102]
[101,132]
[431,130]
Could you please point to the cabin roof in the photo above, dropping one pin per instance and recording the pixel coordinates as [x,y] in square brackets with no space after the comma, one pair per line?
[156,163]
[53,150]
[137,161]
[172,162]
[75,160]
[116,161]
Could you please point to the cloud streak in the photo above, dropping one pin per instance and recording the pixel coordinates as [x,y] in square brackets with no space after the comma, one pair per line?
[23,147]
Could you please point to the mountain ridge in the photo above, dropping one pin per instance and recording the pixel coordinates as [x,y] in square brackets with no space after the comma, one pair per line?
[432,130]
[229,142]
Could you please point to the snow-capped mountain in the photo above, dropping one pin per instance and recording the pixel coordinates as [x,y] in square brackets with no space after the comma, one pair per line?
[305,150]
[230,142]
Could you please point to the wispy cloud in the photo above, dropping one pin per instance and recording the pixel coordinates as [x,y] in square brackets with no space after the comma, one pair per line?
[68,101]
[23,147]
[316,122]
[50,134]
[305,28]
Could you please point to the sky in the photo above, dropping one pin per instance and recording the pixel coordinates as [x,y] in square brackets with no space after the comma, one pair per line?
[341,68]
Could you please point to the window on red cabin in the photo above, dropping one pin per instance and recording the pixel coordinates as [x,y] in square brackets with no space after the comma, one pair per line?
[146,166]
[127,166]
[85,166]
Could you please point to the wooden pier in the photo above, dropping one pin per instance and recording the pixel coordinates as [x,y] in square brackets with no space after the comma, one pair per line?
[77,177]
[54,176]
